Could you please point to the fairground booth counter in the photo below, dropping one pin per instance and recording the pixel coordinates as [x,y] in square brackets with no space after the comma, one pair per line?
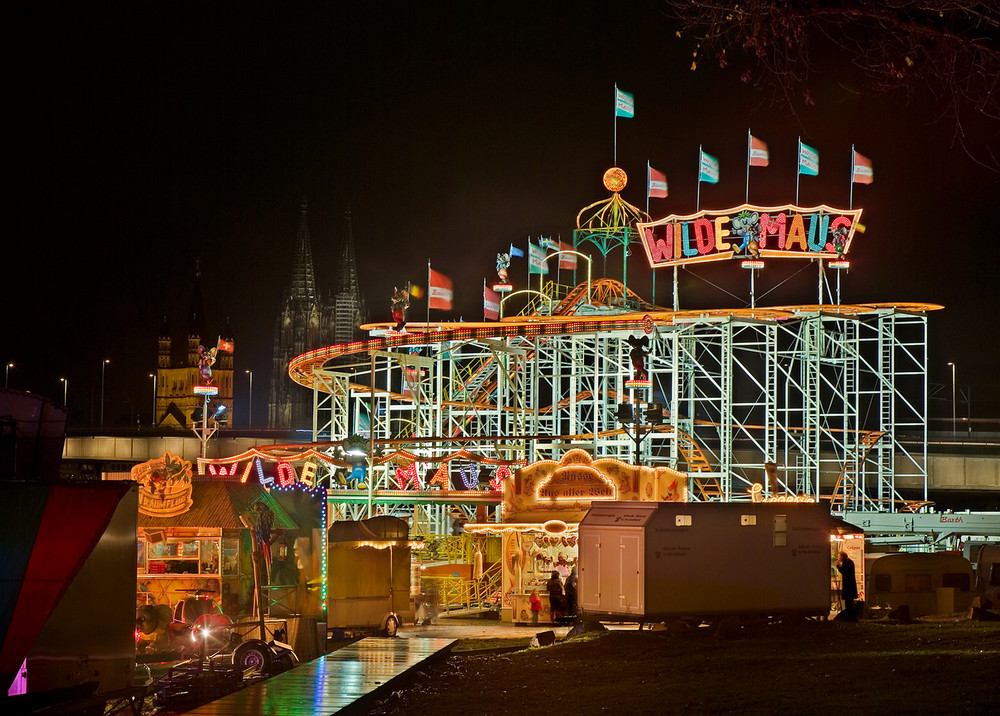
[541,511]
[195,538]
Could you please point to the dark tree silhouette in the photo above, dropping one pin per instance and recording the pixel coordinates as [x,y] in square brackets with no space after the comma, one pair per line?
[949,47]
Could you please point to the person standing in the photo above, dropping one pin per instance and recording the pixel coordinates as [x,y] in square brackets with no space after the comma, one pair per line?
[848,584]
[536,606]
[556,604]
[569,589]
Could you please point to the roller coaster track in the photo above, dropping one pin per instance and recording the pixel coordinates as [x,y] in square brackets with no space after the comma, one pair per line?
[481,384]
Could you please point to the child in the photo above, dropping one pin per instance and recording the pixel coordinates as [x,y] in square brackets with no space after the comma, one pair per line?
[536,606]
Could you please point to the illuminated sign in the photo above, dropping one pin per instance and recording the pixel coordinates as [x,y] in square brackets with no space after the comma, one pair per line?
[164,486]
[747,231]
[576,479]
[757,490]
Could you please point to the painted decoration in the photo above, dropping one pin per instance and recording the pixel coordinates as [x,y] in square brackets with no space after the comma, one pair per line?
[748,231]
[164,486]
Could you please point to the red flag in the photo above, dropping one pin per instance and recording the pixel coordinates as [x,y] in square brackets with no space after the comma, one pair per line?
[438,290]
[491,304]
[861,169]
[566,261]
[758,152]
[225,346]
[657,184]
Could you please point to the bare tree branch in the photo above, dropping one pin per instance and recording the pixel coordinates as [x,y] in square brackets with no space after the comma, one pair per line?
[950,48]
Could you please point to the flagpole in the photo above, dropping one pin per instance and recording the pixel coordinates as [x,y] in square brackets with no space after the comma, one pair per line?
[798,166]
[746,197]
[614,121]
[649,179]
[851,203]
[676,299]
[528,257]
[428,292]
[697,201]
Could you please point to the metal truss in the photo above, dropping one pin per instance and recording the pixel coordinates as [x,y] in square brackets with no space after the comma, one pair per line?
[825,393]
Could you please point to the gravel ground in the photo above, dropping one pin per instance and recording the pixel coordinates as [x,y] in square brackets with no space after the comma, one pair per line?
[948,667]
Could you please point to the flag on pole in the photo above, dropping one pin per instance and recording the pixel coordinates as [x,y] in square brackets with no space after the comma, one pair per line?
[708,168]
[225,346]
[566,261]
[536,260]
[491,304]
[657,183]
[439,292]
[758,153]
[624,104]
[861,169]
[547,242]
[808,160]
[515,252]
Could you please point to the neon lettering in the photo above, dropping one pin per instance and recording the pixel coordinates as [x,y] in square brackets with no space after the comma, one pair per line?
[796,233]
[440,477]
[757,495]
[286,474]
[659,249]
[406,475]
[721,233]
[308,474]
[784,231]
[704,237]
[817,239]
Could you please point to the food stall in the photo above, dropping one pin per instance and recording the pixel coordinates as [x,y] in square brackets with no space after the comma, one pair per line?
[191,537]
[542,506]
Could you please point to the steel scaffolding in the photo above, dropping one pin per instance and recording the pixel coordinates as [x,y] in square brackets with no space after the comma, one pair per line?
[824,392]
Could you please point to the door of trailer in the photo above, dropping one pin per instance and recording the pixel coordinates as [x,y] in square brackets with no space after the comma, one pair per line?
[590,571]
[611,558]
[630,575]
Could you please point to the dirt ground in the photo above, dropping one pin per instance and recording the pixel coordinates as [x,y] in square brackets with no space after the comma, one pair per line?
[949,667]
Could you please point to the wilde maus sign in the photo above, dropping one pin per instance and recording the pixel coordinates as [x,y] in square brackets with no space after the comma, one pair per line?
[817,232]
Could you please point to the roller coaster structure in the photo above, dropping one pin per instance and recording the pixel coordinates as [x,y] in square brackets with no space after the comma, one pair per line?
[825,392]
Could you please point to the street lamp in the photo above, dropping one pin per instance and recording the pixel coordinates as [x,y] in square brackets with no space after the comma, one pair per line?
[65,389]
[103,365]
[954,429]
[153,376]
[6,375]
[250,401]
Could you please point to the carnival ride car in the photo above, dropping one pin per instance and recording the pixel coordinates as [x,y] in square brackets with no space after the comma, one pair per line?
[196,622]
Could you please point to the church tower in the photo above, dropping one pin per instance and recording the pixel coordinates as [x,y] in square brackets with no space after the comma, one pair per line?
[177,369]
[299,328]
[348,301]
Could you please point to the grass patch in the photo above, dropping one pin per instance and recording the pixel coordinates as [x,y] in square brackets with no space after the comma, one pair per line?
[809,667]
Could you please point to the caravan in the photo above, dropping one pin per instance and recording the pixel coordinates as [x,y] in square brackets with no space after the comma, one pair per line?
[924,582]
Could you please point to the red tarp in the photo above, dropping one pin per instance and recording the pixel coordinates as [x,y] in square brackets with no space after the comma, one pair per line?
[48,531]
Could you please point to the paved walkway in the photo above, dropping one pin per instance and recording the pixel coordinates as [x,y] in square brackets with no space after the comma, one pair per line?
[332,682]
[473,628]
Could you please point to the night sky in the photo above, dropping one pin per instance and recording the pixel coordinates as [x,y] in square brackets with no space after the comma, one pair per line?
[146,137]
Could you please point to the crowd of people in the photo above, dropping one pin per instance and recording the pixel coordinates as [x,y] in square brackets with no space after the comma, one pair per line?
[562,598]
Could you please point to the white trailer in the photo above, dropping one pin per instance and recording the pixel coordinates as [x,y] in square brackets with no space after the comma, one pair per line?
[649,561]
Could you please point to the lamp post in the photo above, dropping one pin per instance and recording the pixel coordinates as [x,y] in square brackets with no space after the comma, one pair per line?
[6,375]
[103,366]
[153,376]
[65,389]
[250,401]
[954,429]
